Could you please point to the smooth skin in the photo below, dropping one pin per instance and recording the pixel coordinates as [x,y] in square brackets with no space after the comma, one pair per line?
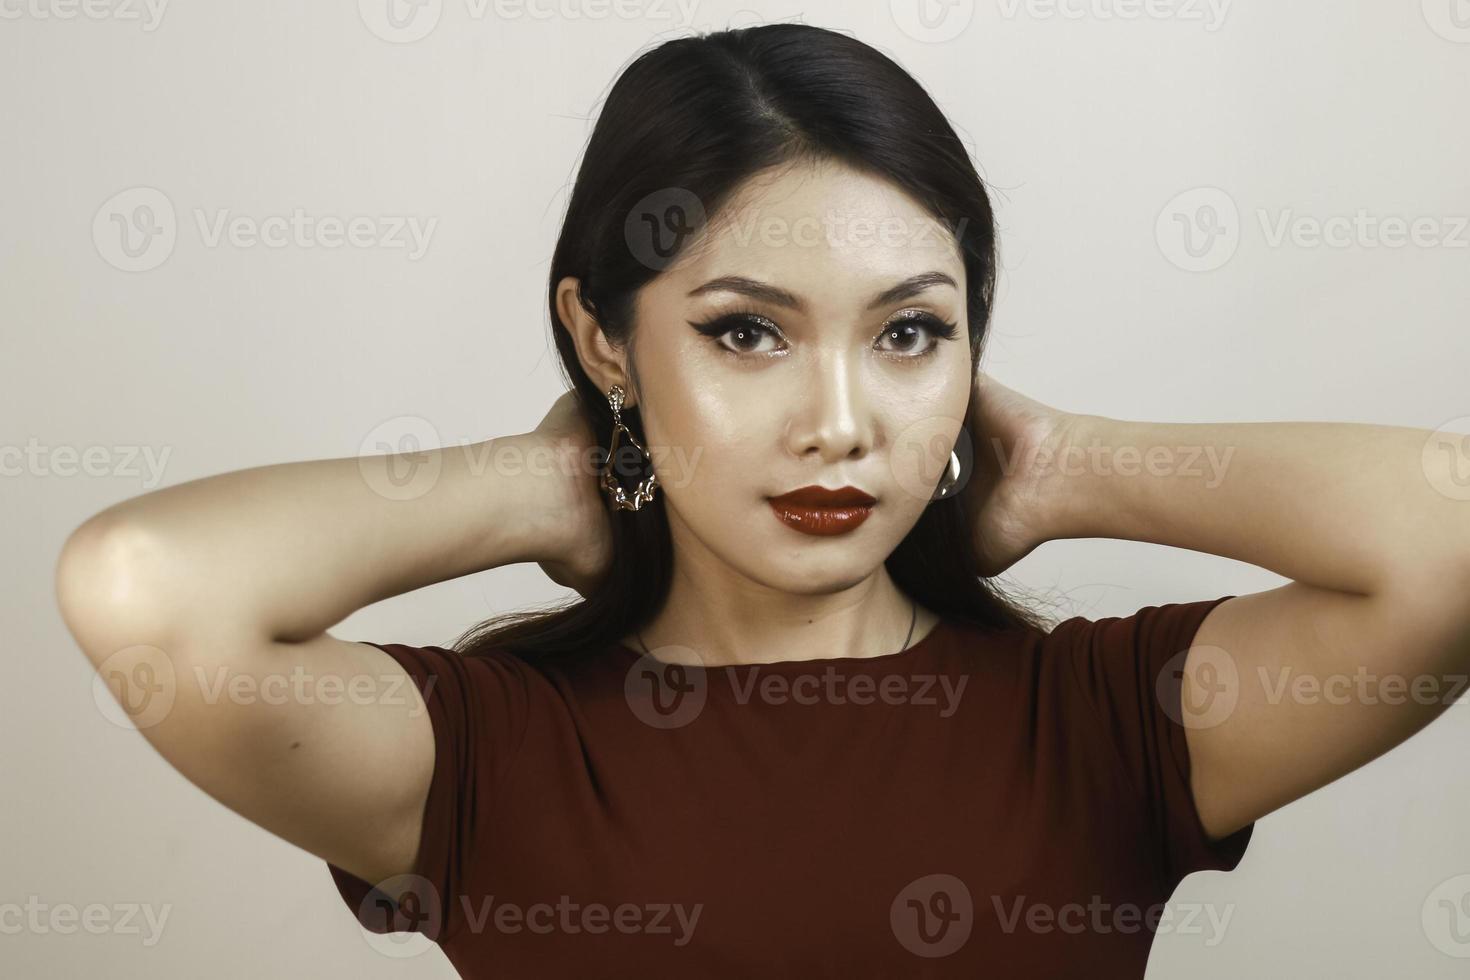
[835,385]
[236,578]
[1289,689]
[244,573]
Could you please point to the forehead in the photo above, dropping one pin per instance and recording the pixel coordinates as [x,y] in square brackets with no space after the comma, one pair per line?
[820,229]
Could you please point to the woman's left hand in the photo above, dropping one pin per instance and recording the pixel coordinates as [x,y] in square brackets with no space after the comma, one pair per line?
[1016,441]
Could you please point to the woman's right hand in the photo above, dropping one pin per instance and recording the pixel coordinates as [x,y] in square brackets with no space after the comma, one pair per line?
[187,581]
[578,517]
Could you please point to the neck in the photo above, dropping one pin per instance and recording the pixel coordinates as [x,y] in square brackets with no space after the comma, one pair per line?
[716,627]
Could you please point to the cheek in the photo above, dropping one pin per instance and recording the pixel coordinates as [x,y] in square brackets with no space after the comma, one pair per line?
[697,400]
[923,431]
[709,436]
[939,390]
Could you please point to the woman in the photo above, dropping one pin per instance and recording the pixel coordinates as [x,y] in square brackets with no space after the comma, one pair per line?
[792,727]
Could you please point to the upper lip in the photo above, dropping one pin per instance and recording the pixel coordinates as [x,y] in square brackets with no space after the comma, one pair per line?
[815,496]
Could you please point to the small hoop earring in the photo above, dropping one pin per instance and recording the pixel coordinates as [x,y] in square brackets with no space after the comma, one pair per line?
[643,493]
[950,480]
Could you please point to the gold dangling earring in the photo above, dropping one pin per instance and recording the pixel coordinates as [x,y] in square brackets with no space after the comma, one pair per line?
[643,493]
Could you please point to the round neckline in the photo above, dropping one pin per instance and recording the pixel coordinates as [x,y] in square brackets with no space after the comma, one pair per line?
[919,646]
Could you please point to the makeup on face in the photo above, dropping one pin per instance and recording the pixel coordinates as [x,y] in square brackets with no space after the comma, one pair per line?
[916,333]
[822,512]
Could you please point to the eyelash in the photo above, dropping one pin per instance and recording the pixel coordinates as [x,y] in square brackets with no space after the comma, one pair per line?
[719,326]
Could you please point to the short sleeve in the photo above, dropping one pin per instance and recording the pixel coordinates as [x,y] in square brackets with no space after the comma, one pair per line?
[1130,670]
[477,706]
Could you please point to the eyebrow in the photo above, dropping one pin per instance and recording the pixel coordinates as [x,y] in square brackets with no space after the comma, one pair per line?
[777,296]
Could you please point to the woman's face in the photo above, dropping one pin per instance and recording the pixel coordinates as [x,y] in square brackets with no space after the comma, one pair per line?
[802,341]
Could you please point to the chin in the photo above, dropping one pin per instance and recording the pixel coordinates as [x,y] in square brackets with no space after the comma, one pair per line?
[802,570]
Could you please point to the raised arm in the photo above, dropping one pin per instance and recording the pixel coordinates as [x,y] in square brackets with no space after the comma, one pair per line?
[205,606]
[1288,689]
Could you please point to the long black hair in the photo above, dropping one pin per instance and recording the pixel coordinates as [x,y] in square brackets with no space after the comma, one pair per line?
[682,127]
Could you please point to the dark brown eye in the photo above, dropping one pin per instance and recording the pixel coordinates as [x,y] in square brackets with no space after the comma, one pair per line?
[746,336]
[904,336]
[906,332]
[746,332]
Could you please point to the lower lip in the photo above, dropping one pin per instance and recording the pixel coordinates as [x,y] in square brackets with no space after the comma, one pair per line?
[821,521]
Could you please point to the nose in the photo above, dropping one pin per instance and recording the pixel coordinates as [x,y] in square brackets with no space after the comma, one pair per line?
[831,420]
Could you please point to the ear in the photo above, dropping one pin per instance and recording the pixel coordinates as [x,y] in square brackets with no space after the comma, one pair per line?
[604,364]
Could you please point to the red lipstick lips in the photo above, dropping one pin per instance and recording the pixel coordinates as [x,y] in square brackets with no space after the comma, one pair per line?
[819,511]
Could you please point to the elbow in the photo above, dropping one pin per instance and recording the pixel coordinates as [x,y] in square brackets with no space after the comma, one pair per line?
[105,585]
